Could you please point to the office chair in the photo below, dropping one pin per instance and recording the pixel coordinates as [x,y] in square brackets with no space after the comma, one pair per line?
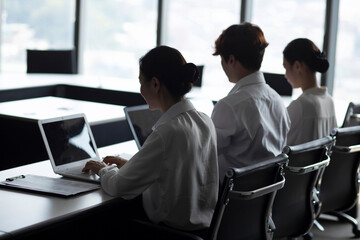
[296,205]
[279,83]
[340,182]
[243,210]
[352,116]
[198,83]
[51,61]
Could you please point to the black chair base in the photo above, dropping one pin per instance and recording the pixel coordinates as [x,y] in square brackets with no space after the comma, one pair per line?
[347,218]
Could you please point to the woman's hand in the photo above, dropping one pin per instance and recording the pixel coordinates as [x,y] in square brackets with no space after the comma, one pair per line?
[93,166]
[115,160]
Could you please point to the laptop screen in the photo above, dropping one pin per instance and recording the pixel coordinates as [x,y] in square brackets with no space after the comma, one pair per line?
[69,140]
[141,120]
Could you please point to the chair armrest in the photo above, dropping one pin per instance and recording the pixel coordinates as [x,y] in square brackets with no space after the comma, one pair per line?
[347,149]
[309,168]
[246,195]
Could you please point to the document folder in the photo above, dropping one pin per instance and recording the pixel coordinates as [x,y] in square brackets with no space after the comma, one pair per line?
[54,186]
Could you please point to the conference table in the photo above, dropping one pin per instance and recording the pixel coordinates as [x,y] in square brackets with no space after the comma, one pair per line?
[30,215]
[21,134]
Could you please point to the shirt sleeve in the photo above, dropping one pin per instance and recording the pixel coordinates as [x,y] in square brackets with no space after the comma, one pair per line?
[138,173]
[225,124]
[295,114]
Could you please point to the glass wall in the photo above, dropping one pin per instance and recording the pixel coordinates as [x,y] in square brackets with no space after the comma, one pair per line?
[117,33]
[285,20]
[35,24]
[193,26]
[347,70]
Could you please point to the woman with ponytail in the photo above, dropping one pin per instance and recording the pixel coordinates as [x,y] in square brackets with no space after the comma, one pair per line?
[176,169]
[312,114]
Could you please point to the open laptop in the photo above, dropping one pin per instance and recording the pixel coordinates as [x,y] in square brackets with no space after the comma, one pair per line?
[141,120]
[70,144]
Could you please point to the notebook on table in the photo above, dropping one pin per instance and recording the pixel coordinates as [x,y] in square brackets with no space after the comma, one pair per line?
[70,145]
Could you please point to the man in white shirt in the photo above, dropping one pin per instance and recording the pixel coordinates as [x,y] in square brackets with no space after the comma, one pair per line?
[251,122]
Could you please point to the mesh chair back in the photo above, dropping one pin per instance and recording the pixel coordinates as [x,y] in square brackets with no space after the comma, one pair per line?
[296,205]
[244,209]
[340,187]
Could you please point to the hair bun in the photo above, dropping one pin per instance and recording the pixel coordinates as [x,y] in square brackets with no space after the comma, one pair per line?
[189,73]
[321,63]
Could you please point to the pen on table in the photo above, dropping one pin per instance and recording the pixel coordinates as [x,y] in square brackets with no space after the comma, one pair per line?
[13,178]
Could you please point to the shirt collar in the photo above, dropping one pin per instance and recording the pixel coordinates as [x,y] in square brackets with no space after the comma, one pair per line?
[173,111]
[254,78]
[316,90]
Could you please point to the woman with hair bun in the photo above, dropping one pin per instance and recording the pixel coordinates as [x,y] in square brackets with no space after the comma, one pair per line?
[312,114]
[176,169]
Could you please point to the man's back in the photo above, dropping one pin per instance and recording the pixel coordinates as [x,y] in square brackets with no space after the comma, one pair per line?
[251,123]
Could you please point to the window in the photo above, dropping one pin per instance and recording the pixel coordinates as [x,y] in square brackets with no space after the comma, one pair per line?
[193,26]
[117,33]
[347,71]
[35,24]
[284,20]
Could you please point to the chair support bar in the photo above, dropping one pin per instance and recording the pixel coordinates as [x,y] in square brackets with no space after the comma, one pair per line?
[309,168]
[347,149]
[246,195]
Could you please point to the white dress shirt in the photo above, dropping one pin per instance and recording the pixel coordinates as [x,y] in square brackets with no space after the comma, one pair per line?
[312,116]
[176,170]
[251,123]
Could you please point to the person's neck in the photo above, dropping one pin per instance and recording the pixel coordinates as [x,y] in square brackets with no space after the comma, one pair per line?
[168,102]
[243,73]
[309,82]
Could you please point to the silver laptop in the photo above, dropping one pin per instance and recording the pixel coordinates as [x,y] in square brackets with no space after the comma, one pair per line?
[141,120]
[70,144]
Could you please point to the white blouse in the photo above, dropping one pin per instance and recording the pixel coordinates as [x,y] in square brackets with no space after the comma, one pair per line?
[251,123]
[176,170]
[312,116]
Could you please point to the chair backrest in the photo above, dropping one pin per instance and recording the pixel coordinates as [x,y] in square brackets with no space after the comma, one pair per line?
[339,186]
[51,61]
[296,205]
[198,83]
[352,116]
[244,208]
[279,83]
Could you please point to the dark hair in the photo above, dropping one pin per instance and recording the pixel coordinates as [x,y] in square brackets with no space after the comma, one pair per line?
[245,41]
[170,67]
[304,50]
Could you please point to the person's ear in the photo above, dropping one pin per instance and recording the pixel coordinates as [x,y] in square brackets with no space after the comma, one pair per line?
[297,65]
[155,84]
[231,59]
